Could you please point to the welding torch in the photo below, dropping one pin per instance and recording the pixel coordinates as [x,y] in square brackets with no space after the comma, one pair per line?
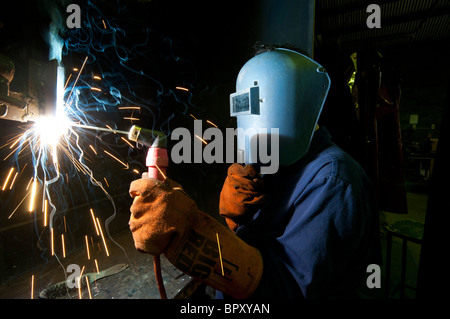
[157,161]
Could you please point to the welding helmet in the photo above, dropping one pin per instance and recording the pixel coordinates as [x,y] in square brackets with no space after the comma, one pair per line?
[278,100]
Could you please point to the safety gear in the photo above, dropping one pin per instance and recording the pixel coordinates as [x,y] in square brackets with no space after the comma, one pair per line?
[165,220]
[241,195]
[279,89]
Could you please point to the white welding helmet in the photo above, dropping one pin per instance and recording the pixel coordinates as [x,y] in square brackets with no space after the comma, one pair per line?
[278,100]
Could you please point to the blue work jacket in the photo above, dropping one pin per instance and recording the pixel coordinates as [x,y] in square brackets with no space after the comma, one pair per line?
[318,230]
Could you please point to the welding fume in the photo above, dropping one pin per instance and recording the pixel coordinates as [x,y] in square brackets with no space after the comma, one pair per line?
[307,231]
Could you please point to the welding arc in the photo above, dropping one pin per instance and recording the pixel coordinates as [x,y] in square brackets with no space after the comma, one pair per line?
[100,129]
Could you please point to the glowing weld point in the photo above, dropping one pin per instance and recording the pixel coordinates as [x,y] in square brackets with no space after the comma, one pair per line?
[96,89]
[50,129]
[96,77]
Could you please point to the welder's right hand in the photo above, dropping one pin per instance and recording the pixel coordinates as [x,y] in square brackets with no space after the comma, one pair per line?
[242,194]
[161,214]
[164,220]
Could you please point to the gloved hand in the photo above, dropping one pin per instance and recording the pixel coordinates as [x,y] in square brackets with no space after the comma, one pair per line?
[160,213]
[241,195]
[165,220]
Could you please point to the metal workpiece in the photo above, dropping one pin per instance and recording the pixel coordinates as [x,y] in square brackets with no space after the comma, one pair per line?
[41,94]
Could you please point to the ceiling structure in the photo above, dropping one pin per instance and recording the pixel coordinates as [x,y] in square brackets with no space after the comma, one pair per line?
[342,24]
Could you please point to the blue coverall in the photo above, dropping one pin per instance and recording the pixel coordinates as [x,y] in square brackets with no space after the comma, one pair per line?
[318,230]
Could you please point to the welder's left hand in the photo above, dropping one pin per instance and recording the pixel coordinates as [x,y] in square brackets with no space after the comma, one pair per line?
[242,194]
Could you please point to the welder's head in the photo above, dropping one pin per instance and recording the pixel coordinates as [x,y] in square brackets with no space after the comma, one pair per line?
[278,89]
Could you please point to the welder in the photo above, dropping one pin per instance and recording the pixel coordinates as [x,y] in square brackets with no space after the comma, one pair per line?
[306,231]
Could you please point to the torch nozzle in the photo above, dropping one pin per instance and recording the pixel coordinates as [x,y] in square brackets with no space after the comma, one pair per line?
[157,156]
[147,137]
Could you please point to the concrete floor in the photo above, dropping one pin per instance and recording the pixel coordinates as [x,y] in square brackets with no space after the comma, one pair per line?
[135,282]
[138,281]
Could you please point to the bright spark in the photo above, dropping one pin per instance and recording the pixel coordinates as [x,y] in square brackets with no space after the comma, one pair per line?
[88,287]
[130,108]
[204,142]
[87,247]
[32,286]
[103,237]
[126,165]
[220,253]
[14,179]
[7,178]
[33,196]
[208,121]
[63,246]
[45,212]
[95,222]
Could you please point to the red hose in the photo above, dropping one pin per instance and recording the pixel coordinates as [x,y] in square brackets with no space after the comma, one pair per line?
[158,276]
[157,161]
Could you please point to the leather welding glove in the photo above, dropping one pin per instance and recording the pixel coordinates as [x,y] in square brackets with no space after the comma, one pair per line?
[241,195]
[164,220]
